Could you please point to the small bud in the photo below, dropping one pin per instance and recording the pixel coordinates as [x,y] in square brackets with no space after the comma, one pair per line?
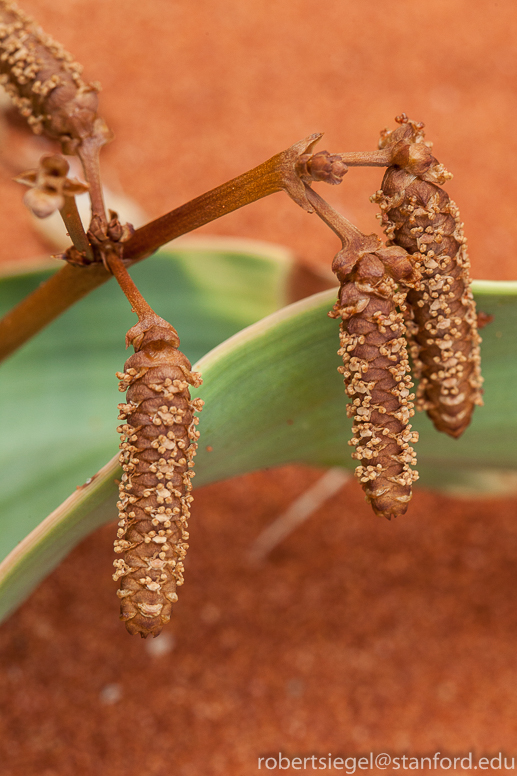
[322,166]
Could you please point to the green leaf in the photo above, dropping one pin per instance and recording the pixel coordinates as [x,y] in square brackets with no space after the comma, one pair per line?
[59,392]
[277,386]
[272,395]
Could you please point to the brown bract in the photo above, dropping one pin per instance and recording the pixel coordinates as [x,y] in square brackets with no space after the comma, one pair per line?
[321,166]
[376,370]
[419,216]
[158,446]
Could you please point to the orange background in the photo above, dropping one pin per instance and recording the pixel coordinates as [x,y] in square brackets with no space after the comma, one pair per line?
[356,634]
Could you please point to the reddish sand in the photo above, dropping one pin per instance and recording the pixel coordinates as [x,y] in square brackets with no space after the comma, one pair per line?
[356,635]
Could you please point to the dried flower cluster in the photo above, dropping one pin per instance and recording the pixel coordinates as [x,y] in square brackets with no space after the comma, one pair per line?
[441,317]
[158,446]
[376,370]
[44,82]
[415,290]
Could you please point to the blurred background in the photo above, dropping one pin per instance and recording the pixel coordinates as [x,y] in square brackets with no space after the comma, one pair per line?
[354,634]
[198,94]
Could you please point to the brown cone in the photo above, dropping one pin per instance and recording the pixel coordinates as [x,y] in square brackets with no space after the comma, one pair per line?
[418,216]
[158,446]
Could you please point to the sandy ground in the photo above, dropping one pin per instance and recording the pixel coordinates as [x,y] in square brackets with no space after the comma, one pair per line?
[356,634]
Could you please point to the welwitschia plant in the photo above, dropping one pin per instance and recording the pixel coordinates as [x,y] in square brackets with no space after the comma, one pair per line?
[414,290]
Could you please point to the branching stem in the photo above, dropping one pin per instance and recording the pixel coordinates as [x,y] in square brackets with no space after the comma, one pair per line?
[276,174]
[346,231]
[72,283]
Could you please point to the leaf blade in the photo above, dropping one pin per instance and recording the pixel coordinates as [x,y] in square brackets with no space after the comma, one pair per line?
[284,367]
[61,388]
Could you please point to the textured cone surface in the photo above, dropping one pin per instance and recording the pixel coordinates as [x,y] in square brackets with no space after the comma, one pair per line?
[418,215]
[158,445]
[375,369]
[43,81]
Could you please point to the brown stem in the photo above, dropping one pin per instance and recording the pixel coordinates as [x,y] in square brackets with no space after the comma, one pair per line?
[71,283]
[74,227]
[346,231]
[48,301]
[88,152]
[133,295]
[276,174]
[330,168]
[380,158]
